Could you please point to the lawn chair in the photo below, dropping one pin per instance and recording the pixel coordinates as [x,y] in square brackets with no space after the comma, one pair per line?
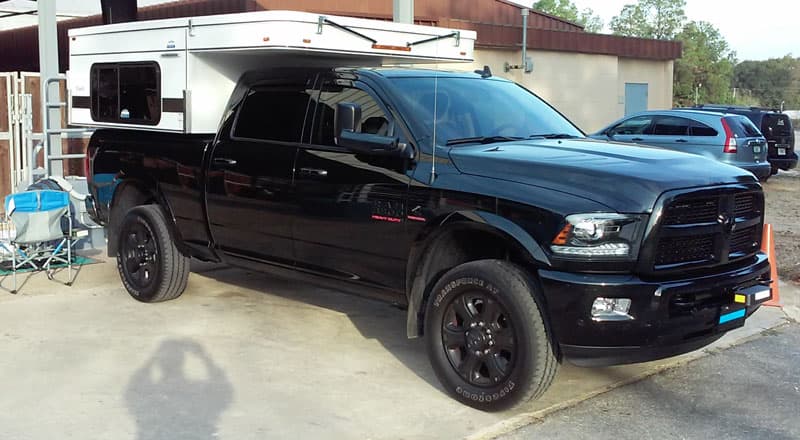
[43,224]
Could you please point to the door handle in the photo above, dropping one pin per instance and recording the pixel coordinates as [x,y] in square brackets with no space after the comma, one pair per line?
[224,161]
[313,172]
[637,139]
[683,141]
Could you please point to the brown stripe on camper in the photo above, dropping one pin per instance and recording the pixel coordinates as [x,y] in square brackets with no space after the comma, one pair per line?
[81,102]
[174,105]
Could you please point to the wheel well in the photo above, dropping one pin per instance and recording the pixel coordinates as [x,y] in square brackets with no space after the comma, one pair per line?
[460,244]
[126,196]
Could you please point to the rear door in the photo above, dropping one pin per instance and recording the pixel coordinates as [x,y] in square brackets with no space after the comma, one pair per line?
[250,195]
[777,129]
[672,133]
[751,145]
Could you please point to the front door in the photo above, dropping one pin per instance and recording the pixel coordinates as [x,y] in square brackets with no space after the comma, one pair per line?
[250,195]
[351,222]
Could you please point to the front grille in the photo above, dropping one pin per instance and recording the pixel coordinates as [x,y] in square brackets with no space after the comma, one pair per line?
[692,211]
[708,228]
[744,241]
[744,204]
[684,250]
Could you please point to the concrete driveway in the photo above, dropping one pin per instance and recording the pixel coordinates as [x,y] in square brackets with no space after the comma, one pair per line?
[241,356]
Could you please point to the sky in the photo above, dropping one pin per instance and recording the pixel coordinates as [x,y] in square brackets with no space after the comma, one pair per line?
[755,33]
[756,30]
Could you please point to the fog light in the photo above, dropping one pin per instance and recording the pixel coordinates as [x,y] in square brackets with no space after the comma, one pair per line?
[611,309]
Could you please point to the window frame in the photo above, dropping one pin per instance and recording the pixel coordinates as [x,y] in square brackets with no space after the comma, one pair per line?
[702,125]
[264,86]
[646,132]
[93,96]
[354,84]
[685,121]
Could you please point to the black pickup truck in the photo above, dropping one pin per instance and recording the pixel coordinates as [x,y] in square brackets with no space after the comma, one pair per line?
[514,241]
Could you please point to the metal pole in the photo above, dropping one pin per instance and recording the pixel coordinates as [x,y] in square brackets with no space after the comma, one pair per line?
[48,68]
[403,11]
[525,12]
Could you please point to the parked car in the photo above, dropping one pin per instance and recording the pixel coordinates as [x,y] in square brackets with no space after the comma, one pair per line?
[731,139]
[774,125]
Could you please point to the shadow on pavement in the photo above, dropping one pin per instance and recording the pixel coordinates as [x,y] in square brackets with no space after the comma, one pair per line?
[179,393]
[374,319]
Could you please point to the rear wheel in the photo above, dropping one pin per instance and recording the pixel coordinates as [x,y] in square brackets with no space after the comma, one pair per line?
[150,265]
[486,336]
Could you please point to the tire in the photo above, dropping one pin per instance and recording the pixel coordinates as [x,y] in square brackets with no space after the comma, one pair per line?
[486,336]
[151,267]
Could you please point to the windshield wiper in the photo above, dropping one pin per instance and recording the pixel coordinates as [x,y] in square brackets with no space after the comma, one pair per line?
[482,140]
[554,136]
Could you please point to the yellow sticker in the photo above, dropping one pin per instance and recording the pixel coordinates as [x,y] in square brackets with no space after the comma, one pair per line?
[740,299]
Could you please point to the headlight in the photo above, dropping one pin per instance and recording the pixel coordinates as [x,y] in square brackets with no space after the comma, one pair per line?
[599,236]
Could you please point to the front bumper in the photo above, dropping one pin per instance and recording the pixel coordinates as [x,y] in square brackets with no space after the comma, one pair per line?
[670,317]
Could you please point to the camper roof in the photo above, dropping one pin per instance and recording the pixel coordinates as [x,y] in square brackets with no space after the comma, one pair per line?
[267,31]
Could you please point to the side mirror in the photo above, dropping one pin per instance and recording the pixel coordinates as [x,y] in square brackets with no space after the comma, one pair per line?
[348,117]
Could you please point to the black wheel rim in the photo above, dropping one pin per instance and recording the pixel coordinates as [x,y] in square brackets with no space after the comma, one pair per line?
[478,338]
[139,255]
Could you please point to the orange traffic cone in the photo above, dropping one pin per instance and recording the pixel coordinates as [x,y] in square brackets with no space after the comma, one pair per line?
[768,247]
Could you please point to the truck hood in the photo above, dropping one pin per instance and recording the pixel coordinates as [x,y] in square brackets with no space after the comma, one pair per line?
[623,177]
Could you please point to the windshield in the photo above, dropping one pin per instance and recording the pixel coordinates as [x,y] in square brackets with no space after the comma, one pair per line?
[478,110]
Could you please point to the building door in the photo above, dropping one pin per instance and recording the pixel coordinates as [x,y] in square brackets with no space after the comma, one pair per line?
[635,98]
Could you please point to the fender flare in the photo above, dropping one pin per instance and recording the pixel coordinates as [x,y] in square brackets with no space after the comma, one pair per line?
[151,188]
[417,282]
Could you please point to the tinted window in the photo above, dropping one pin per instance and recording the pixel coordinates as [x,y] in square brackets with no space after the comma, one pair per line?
[452,108]
[276,112]
[671,126]
[637,125]
[126,92]
[373,118]
[776,125]
[700,129]
[742,126]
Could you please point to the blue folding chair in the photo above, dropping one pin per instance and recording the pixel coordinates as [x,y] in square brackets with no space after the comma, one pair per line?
[43,224]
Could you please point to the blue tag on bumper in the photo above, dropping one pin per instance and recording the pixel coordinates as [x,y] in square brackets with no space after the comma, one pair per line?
[727,317]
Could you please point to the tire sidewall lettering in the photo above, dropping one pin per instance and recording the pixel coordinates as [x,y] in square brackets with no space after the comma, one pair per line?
[448,288]
[482,397]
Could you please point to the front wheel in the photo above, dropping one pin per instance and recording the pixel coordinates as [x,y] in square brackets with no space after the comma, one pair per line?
[486,336]
[150,265]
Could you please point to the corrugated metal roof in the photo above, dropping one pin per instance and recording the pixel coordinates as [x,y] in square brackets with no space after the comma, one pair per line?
[497,22]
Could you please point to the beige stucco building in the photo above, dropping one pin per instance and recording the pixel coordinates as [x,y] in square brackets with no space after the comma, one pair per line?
[590,89]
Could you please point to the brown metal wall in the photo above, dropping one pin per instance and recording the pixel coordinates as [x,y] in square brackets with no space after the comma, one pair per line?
[497,22]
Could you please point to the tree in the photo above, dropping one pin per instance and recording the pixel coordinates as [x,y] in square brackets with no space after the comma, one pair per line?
[568,11]
[706,67]
[658,19]
[771,81]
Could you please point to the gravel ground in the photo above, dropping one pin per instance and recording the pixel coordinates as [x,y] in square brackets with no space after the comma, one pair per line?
[783,212]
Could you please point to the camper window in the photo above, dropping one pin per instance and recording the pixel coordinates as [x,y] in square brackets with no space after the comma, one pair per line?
[128,93]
